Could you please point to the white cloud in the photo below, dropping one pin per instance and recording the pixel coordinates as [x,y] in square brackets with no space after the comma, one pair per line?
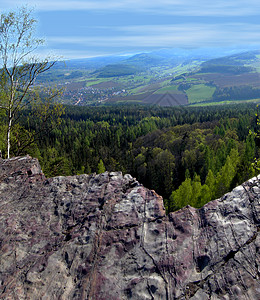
[170,7]
[64,5]
[191,35]
[113,39]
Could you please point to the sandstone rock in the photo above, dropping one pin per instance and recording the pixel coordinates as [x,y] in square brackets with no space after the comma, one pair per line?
[107,237]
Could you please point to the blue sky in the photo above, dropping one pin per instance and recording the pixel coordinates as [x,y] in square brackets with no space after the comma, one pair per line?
[74,29]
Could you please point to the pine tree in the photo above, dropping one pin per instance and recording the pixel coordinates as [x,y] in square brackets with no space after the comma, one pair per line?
[196,191]
[100,167]
[211,182]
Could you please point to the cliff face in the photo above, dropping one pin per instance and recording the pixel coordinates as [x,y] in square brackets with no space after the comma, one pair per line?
[107,237]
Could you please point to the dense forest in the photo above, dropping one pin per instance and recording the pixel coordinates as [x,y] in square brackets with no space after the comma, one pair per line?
[233,93]
[187,155]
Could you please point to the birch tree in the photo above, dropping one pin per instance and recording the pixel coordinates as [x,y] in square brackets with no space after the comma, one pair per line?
[19,66]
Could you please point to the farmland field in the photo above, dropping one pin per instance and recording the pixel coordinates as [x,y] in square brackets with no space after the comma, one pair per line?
[199,93]
[106,85]
[76,85]
[225,80]
[163,99]
[226,102]
[169,89]
[229,78]
[166,99]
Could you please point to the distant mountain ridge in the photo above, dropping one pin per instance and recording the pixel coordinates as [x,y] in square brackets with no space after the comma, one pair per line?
[149,58]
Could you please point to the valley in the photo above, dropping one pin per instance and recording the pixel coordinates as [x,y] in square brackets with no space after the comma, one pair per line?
[159,79]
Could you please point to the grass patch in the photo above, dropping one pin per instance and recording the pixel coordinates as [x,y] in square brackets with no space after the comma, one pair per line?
[190,79]
[226,102]
[200,92]
[95,81]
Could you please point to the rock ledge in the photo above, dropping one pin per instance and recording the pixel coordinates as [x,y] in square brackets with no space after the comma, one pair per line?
[107,237]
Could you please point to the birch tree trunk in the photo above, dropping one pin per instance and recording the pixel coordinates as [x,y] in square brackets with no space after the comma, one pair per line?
[19,68]
[9,136]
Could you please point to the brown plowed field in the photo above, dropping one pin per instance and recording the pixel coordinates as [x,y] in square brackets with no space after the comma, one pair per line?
[76,85]
[167,99]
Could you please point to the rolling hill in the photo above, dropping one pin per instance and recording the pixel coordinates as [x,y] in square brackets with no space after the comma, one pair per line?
[164,77]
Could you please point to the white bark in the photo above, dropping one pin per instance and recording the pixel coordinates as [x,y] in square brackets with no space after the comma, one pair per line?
[18,68]
[8,137]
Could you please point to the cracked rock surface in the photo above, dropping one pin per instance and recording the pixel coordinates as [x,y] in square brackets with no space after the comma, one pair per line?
[107,237]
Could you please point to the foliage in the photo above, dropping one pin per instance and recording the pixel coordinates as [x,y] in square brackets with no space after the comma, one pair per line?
[189,156]
[19,68]
[236,93]
[100,167]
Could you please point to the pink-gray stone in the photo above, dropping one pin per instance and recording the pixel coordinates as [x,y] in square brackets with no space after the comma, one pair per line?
[107,237]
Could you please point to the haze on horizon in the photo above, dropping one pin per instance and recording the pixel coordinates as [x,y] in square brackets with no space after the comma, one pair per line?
[77,29]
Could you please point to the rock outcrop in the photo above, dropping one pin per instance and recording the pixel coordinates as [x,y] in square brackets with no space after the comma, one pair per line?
[107,237]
